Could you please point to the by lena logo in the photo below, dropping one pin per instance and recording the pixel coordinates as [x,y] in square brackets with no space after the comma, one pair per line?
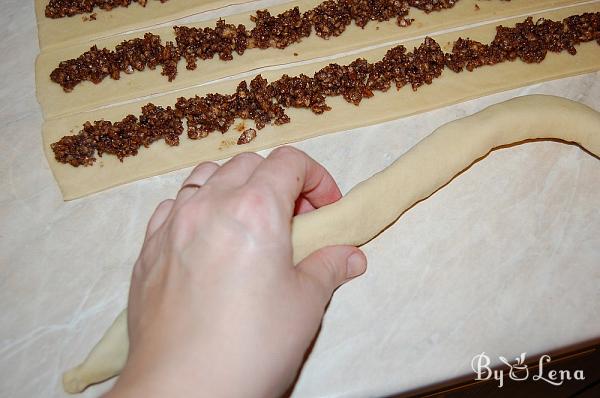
[519,371]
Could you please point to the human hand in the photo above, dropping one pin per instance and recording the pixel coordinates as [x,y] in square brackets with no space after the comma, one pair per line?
[216,306]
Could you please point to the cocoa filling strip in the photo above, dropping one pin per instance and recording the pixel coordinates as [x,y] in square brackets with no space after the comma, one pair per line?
[328,19]
[264,102]
[68,8]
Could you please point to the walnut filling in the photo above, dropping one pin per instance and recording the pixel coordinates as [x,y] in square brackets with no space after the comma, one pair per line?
[68,8]
[265,102]
[328,19]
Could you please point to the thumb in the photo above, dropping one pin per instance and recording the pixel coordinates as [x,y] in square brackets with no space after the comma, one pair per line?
[332,266]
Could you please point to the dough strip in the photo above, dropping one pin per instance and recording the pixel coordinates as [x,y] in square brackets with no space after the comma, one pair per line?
[54,33]
[87,96]
[450,88]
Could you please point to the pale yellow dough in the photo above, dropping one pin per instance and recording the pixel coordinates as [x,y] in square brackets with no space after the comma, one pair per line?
[450,88]
[416,175]
[86,96]
[60,32]
[105,360]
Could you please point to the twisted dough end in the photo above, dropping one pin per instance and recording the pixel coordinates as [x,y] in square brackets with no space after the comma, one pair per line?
[71,382]
[424,169]
[105,361]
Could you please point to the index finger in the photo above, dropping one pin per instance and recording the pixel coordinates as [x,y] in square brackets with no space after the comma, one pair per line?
[290,173]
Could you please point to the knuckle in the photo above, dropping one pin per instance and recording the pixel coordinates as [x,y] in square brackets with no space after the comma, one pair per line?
[285,151]
[204,166]
[253,201]
[247,157]
[162,207]
[165,204]
[183,220]
[201,173]
[255,208]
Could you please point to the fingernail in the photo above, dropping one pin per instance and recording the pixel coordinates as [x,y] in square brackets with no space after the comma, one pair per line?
[355,265]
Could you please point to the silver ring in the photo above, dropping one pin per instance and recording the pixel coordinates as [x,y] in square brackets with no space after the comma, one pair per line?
[195,186]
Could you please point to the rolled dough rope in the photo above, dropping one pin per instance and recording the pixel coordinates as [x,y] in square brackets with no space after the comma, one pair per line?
[427,167]
[106,359]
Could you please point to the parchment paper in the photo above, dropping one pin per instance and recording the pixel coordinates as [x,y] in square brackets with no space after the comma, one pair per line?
[503,260]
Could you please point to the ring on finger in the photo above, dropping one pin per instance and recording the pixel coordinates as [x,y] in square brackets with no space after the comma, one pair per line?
[190,185]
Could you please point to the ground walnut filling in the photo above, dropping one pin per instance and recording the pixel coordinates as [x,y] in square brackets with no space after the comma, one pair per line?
[265,102]
[68,8]
[329,18]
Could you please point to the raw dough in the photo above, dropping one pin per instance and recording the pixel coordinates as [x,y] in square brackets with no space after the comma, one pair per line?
[105,360]
[59,32]
[448,89]
[86,96]
[416,175]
